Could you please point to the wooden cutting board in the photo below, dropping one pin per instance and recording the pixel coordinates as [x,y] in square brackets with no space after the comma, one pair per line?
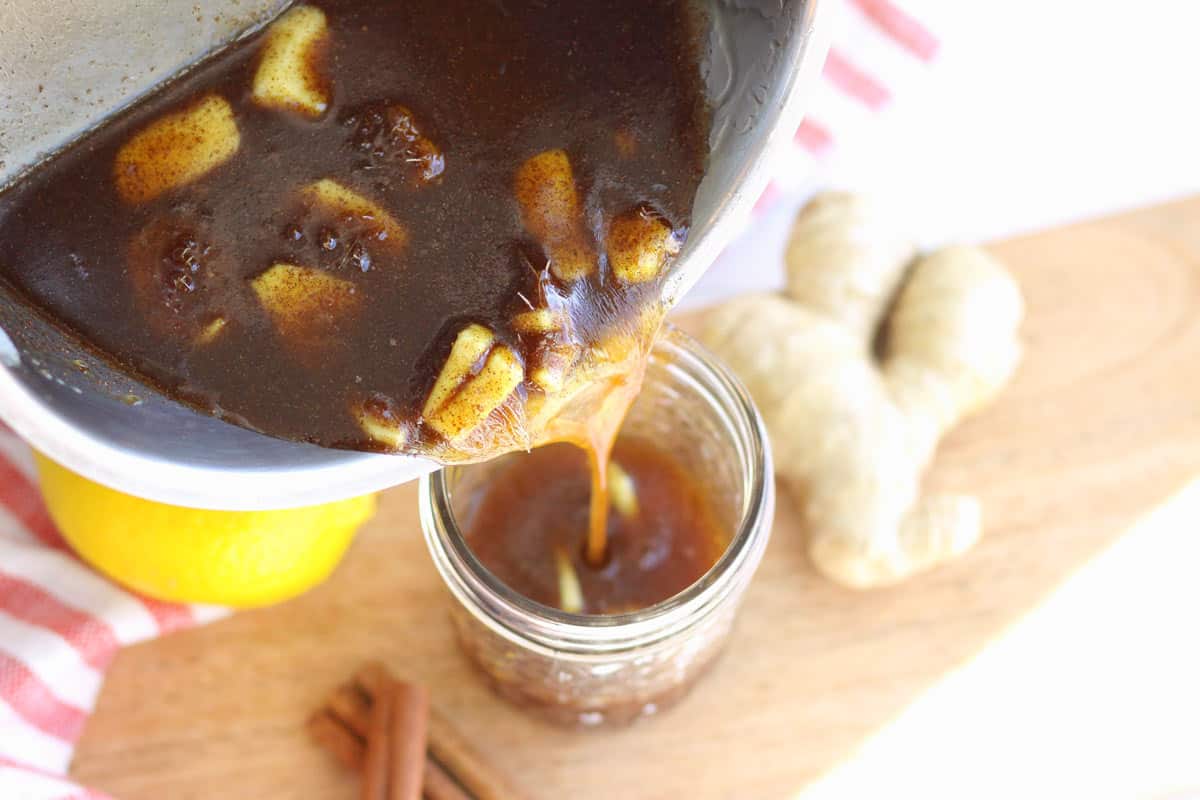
[1101,425]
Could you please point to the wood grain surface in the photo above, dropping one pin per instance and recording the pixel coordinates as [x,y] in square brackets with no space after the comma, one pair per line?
[1101,425]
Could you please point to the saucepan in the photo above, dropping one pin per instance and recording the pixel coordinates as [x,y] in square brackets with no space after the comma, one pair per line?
[67,64]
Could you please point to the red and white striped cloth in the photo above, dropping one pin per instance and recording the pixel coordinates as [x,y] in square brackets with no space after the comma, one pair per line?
[61,623]
[60,626]
[877,49]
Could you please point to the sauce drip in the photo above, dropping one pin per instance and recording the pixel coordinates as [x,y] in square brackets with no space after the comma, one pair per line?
[534,511]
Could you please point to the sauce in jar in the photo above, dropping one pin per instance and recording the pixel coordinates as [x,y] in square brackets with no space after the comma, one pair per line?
[528,525]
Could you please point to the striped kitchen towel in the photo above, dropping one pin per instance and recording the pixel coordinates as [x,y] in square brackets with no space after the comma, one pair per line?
[877,49]
[61,624]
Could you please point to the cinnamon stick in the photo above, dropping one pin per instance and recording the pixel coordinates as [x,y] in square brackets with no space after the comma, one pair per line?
[409,724]
[335,737]
[346,737]
[450,749]
[375,725]
[439,785]
[379,744]
[353,708]
[447,746]
[371,678]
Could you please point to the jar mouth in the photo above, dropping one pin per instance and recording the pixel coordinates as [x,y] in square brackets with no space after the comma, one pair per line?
[480,591]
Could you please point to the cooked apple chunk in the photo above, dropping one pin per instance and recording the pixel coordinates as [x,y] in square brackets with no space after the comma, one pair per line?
[470,346]
[479,396]
[550,208]
[175,150]
[288,75]
[211,331]
[639,244]
[304,303]
[380,423]
[462,398]
[553,351]
[351,209]
[550,370]
[539,320]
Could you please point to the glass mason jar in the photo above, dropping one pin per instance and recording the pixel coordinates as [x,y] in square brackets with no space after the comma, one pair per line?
[593,669]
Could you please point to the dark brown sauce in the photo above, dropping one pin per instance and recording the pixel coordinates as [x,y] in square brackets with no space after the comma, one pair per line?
[614,83]
[536,507]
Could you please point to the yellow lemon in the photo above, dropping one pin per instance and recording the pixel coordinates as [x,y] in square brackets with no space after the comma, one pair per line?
[232,558]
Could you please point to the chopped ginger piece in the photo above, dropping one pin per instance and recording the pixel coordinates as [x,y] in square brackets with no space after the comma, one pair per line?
[623,343]
[175,150]
[304,303]
[639,244]
[341,201]
[210,331]
[622,491]
[548,378]
[381,426]
[471,345]
[545,189]
[570,592]
[482,394]
[538,320]
[288,77]
[550,367]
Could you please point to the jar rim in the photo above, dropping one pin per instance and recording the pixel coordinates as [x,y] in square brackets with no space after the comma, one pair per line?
[545,627]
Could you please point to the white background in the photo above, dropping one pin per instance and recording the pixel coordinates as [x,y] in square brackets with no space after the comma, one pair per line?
[1034,114]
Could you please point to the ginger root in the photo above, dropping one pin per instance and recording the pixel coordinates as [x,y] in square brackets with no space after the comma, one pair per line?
[854,421]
